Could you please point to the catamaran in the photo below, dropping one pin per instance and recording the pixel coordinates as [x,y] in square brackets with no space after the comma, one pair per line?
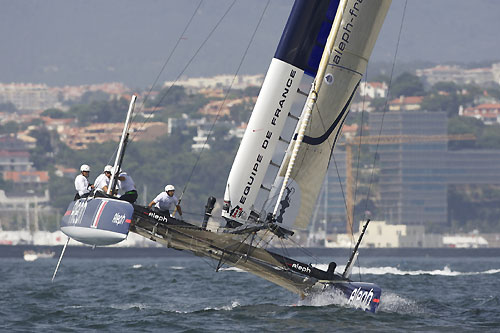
[327,40]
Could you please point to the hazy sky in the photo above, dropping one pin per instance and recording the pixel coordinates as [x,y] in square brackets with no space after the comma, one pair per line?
[89,41]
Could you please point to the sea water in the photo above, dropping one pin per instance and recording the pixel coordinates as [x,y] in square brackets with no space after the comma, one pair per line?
[184,294]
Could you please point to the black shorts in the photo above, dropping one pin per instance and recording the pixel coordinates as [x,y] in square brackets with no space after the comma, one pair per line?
[130,196]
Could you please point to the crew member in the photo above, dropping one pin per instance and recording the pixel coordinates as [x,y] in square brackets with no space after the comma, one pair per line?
[101,183]
[82,185]
[165,202]
[127,187]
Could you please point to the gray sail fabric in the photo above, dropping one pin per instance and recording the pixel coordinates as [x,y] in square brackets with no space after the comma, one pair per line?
[360,26]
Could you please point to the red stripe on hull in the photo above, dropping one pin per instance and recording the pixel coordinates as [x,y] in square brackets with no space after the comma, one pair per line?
[101,209]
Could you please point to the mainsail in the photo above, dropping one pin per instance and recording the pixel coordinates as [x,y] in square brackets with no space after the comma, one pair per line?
[360,24]
[298,52]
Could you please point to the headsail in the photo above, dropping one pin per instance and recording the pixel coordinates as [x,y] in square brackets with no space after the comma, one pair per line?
[360,25]
[299,52]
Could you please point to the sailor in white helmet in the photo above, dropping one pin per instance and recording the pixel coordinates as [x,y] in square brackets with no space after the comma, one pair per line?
[101,183]
[165,202]
[82,185]
[127,187]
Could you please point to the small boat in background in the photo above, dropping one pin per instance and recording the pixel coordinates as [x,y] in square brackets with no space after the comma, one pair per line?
[30,255]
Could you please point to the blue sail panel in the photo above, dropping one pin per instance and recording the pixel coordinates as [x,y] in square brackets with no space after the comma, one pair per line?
[305,34]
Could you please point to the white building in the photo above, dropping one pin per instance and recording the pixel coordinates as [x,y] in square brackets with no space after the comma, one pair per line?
[28,97]
[379,234]
[459,75]
[487,113]
[465,241]
[373,89]
[14,161]
[219,81]
[200,140]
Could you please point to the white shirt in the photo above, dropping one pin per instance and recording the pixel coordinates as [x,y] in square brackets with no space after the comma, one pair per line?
[101,181]
[82,184]
[165,202]
[127,184]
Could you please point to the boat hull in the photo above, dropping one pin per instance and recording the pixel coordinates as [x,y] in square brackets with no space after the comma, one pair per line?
[361,295]
[97,221]
[230,249]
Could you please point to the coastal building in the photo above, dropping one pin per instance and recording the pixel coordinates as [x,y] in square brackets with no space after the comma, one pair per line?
[381,234]
[81,137]
[329,215]
[24,209]
[373,89]
[459,75]
[15,161]
[201,140]
[219,81]
[414,177]
[487,113]
[465,241]
[28,96]
[27,180]
[406,103]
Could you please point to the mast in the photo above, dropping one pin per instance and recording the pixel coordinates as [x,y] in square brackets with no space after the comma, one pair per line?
[312,97]
[354,255]
[122,146]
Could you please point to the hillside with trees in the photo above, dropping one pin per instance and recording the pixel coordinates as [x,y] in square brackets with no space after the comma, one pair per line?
[170,159]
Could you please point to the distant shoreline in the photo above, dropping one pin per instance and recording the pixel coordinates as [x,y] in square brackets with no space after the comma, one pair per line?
[17,251]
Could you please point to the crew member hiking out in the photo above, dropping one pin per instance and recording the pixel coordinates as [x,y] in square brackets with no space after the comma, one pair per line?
[127,187]
[166,202]
[82,185]
[101,183]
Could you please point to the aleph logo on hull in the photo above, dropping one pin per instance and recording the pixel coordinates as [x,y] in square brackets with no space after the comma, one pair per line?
[361,298]
[118,219]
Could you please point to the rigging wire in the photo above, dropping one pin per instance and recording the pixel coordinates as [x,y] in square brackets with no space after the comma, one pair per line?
[359,154]
[147,118]
[385,105]
[225,98]
[168,59]
[343,193]
[187,65]
[336,166]
[159,74]
[381,123]
[304,250]
[357,170]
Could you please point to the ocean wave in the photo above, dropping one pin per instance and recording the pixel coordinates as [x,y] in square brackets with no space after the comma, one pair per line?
[386,270]
[230,307]
[139,266]
[391,302]
[235,269]
[328,297]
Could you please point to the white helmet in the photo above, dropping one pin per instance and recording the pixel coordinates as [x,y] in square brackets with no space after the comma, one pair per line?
[169,188]
[108,168]
[84,167]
